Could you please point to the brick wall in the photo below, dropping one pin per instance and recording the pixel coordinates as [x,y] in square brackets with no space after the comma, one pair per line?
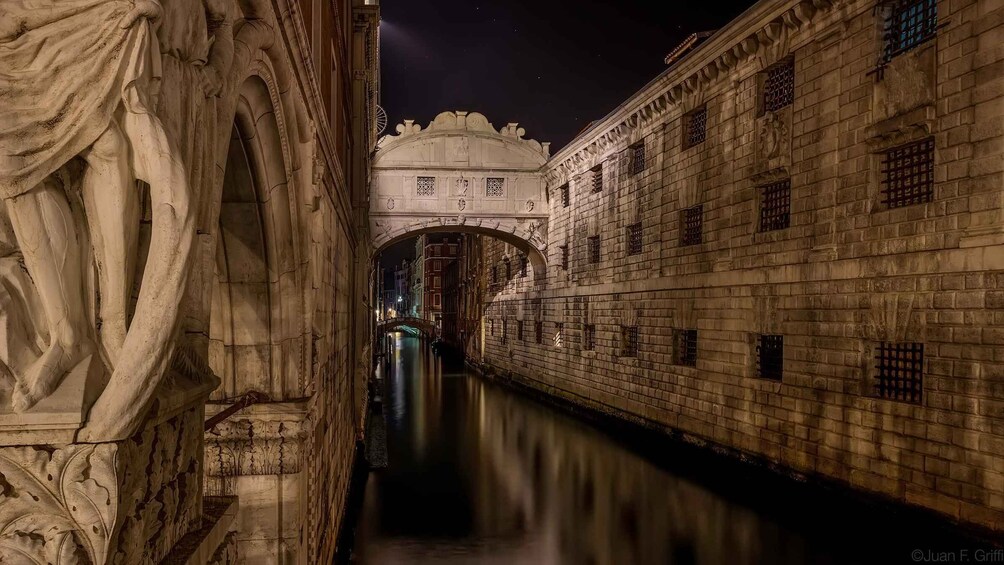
[846,275]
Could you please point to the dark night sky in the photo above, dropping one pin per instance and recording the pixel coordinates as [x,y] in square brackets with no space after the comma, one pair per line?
[553,66]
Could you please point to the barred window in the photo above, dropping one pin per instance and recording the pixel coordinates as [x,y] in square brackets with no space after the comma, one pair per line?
[779,85]
[900,371]
[909,23]
[564,195]
[594,249]
[426,186]
[564,256]
[519,330]
[596,174]
[637,152]
[507,265]
[685,347]
[770,357]
[629,341]
[559,328]
[634,239]
[523,262]
[695,125]
[505,330]
[491,327]
[538,331]
[691,225]
[495,187]
[589,337]
[495,274]
[908,174]
[775,206]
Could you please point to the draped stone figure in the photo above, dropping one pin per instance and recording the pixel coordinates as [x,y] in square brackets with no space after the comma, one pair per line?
[79,78]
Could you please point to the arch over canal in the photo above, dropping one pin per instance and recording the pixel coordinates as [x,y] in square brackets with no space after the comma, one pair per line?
[460,174]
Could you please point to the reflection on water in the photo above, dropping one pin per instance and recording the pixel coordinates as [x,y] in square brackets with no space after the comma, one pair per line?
[479,474]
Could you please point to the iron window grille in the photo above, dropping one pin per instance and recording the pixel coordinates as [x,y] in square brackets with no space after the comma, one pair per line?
[523,263]
[597,178]
[564,195]
[564,256]
[594,249]
[559,329]
[775,206]
[426,186]
[589,337]
[909,23]
[538,331]
[634,240]
[685,347]
[519,330]
[695,125]
[770,357]
[637,157]
[692,225]
[495,275]
[508,269]
[900,371]
[779,85]
[908,174]
[495,187]
[491,327]
[505,330]
[629,341]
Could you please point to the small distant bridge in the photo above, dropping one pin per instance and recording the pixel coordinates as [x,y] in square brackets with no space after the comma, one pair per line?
[423,326]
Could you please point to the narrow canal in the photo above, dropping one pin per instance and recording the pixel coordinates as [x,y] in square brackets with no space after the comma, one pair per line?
[480,474]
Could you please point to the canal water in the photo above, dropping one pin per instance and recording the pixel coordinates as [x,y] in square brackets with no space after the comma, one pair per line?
[479,474]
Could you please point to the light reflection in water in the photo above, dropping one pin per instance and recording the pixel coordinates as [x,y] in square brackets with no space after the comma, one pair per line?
[479,474]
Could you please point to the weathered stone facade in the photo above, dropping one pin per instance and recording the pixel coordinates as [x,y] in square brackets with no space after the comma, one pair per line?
[846,271]
[245,267]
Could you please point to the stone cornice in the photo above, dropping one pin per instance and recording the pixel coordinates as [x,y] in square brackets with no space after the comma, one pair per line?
[763,25]
[467,123]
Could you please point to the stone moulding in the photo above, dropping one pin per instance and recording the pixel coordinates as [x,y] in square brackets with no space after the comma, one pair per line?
[466,122]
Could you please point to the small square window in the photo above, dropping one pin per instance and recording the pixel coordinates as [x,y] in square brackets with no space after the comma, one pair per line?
[691,225]
[637,152]
[775,206]
[538,331]
[695,124]
[629,341]
[779,85]
[589,337]
[426,186]
[900,371]
[596,178]
[565,199]
[634,241]
[495,187]
[908,174]
[770,357]
[564,256]
[685,347]
[908,24]
[594,249]
[519,330]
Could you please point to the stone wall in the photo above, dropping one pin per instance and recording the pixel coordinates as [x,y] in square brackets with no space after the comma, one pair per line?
[848,273]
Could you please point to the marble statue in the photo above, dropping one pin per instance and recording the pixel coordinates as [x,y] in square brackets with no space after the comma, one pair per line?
[79,78]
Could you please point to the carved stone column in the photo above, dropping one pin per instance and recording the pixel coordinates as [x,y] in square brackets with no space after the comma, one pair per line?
[127,502]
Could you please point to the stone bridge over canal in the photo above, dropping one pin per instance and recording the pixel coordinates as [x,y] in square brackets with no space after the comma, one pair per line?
[460,174]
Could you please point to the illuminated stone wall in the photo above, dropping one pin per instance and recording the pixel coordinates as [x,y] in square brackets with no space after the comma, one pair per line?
[847,274]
